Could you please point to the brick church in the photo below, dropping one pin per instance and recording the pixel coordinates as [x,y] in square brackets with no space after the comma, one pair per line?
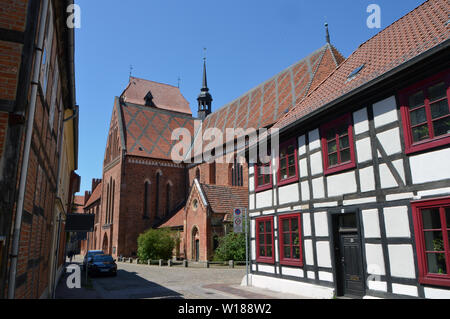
[143,188]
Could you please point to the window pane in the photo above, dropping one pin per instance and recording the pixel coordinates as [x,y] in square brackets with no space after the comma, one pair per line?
[291,160]
[261,180]
[436,264]
[431,218]
[283,163]
[331,135]
[287,252]
[261,227]
[267,179]
[291,149]
[418,116]
[345,156]
[439,109]
[296,253]
[332,159]
[437,92]
[269,251]
[262,251]
[286,239]
[295,240]
[294,222]
[342,130]
[447,216]
[285,225]
[344,142]
[261,239]
[291,171]
[442,126]
[268,227]
[416,100]
[283,173]
[434,241]
[420,133]
[332,147]
[269,239]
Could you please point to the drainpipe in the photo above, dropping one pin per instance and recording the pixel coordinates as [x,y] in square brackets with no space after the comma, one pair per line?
[26,154]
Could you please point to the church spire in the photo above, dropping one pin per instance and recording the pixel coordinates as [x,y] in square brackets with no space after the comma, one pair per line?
[204,99]
[327,33]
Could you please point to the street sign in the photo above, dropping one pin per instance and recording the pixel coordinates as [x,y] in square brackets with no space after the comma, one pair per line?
[80,223]
[237,221]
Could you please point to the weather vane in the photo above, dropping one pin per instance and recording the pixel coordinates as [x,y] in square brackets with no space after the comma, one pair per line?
[131,70]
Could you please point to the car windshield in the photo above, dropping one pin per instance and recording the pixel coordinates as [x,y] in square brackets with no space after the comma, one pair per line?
[103,258]
[93,253]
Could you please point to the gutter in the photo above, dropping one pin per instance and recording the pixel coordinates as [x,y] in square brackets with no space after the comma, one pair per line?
[26,153]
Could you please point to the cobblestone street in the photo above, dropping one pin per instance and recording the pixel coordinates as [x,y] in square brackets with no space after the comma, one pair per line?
[153,282]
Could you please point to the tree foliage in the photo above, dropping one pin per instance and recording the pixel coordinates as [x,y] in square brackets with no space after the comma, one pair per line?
[156,244]
[231,247]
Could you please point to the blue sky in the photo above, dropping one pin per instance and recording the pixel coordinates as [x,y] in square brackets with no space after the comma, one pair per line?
[247,41]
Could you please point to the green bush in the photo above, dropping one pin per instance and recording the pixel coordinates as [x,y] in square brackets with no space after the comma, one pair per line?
[231,247]
[156,244]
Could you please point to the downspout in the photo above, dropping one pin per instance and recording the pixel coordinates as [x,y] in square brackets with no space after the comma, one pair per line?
[26,154]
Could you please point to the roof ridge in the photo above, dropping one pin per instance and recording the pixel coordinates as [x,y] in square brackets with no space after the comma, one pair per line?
[142,79]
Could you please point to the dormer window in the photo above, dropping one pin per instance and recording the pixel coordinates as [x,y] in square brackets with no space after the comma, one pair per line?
[149,99]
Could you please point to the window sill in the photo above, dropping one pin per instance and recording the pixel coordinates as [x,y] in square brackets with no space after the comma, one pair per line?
[427,145]
[263,260]
[435,281]
[295,263]
[287,181]
[339,169]
[263,188]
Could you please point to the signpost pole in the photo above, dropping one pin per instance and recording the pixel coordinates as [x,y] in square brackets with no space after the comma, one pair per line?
[246,245]
[87,261]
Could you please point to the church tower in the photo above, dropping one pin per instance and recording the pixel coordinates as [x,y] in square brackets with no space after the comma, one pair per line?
[204,99]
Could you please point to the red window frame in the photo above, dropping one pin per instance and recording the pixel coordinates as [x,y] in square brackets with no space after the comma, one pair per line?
[433,141]
[263,187]
[259,258]
[290,261]
[324,129]
[294,178]
[424,276]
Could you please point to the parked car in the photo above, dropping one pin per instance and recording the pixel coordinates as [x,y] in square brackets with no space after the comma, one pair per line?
[102,265]
[89,255]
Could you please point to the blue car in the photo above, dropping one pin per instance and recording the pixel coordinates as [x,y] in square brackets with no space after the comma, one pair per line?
[102,265]
[90,254]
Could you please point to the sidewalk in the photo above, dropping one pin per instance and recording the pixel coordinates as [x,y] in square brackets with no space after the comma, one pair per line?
[252,292]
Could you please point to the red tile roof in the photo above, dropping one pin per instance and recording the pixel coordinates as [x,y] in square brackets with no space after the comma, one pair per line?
[176,220]
[224,199]
[96,195]
[268,102]
[165,96]
[415,33]
[148,130]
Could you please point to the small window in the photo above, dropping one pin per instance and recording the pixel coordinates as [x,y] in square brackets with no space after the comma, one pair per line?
[287,163]
[426,113]
[432,231]
[264,240]
[263,176]
[337,145]
[290,240]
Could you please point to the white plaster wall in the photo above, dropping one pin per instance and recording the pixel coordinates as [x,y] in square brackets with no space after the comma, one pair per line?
[390,140]
[266,268]
[306,219]
[434,293]
[321,223]
[405,290]
[253,249]
[341,184]
[309,257]
[252,228]
[316,163]
[318,188]
[430,166]
[385,112]
[386,177]
[251,184]
[401,258]
[323,254]
[364,150]
[311,275]
[295,272]
[314,140]
[375,259]
[367,179]
[304,186]
[325,276]
[432,192]
[291,287]
[398,165]
[378,285]
[264,199]
[397,222]
[251,169]
[301,145]
[360,120]
[371,223]
[251,202]
[288,194]
[303,168]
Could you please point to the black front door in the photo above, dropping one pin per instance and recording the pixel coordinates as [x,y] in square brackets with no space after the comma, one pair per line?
[352,276]
[197,250]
